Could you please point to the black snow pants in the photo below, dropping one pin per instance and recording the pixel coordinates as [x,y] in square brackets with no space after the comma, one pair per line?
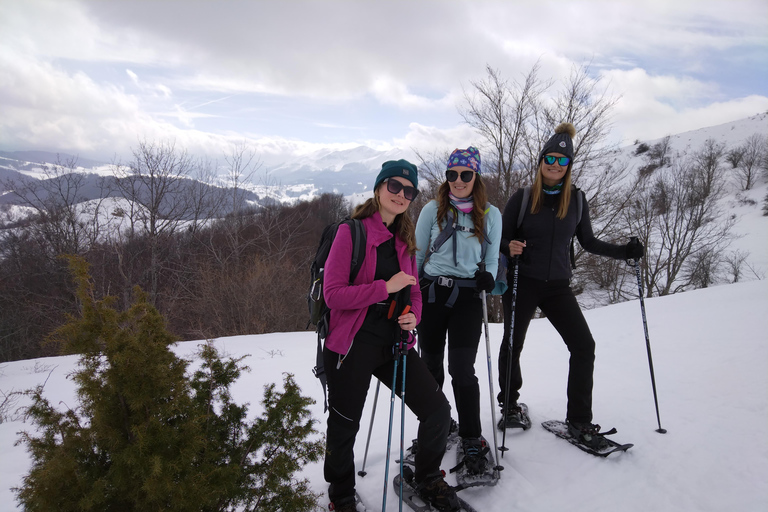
[463,325]
[347,389]
[559,305]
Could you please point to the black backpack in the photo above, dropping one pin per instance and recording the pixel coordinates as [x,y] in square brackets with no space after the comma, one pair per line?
[319,313]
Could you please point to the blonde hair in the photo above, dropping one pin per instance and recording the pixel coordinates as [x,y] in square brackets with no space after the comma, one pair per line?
[404,226]
[537,192]
[479,200]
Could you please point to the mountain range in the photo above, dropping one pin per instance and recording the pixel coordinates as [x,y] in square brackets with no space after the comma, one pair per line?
[351,171]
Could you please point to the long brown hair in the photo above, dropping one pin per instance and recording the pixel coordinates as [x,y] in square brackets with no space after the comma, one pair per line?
[403,224]
[537,192]
[479,200]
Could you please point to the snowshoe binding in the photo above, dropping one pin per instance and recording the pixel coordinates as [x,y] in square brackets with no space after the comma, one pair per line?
[409,456]
[433,494]
[475,464]
[587,437]
[348,504]
[514,416]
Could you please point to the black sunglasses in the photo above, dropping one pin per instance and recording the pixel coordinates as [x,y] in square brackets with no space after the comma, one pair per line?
[395,187]
[466,176]
[561,160]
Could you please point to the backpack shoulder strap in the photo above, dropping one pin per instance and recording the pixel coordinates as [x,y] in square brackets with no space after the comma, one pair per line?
[358,246]
[579,202]
[524,205]
[579,211]
[445,234]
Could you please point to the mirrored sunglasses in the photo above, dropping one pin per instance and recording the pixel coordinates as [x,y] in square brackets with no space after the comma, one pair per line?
[561,160]
[466,176]
[394,187]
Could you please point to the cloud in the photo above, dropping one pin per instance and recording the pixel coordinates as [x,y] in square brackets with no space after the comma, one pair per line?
[431,139]
[655,106]
[95,76]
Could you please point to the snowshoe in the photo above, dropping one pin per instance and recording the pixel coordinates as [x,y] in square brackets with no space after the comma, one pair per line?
[410,453]
[515,416]
[586,437]
[434,494]
[475,464]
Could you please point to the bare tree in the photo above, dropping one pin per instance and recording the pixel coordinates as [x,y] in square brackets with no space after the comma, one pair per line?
[747,159]
[583,102]
[157,186]
[677,217]
[503,113]
[64,220]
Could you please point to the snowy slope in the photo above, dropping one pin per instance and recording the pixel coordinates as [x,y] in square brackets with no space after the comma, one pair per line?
[711,361]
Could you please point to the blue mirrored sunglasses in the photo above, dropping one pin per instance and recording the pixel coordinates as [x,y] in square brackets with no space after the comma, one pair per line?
[395,187]
[561,160]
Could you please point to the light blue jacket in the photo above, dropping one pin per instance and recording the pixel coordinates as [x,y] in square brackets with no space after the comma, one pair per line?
[468,248]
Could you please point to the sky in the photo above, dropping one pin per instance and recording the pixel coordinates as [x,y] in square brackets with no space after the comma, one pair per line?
[290,77]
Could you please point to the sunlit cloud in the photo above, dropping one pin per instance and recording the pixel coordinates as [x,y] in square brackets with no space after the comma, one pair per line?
[94,76]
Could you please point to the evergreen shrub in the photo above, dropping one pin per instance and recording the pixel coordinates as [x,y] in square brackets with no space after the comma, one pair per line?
[148,436]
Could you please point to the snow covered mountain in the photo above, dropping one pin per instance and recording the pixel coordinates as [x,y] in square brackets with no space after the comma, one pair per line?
[351,171]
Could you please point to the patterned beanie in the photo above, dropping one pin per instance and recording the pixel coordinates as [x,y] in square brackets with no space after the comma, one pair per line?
[469,157]
[402,168]
[561,142]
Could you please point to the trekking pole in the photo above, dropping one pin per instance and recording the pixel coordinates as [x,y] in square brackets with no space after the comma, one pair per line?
[403,352]
[509,351]
[636,264]
[498,466]
[370,428]
[397,349]
[389,434]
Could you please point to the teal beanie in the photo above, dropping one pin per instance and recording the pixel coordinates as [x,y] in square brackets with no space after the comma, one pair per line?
[402,168]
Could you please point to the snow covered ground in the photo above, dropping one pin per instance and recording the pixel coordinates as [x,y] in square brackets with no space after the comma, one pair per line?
[711,361]
[710,351]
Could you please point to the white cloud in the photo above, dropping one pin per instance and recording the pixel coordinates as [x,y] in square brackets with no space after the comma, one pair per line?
[655,106]
[59,60]
[430,139]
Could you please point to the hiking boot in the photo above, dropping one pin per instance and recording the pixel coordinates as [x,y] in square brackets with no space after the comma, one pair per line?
[513,417]
[586,433]
[343,505]
[475,450]
[435,491]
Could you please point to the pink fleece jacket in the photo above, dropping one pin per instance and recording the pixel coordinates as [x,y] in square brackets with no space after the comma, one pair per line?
[349,303]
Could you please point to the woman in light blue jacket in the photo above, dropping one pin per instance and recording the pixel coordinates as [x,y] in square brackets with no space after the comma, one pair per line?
[451,279]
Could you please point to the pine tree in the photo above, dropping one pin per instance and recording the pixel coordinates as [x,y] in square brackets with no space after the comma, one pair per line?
[145,436]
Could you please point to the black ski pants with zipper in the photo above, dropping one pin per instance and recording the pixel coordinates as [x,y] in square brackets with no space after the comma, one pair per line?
[462,324]
[347,389]
[558,303]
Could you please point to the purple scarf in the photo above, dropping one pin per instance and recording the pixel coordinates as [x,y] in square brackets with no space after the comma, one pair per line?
[465,205]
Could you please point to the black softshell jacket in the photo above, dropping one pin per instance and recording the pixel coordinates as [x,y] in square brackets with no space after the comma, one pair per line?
[546,256]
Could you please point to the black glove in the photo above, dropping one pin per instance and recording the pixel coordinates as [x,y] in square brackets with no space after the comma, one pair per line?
[635,249]
[485,281]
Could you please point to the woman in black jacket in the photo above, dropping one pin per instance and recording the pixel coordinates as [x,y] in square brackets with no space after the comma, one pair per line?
[541,244]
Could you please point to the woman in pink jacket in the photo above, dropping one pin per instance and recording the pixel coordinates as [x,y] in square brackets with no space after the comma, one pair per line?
[361,338]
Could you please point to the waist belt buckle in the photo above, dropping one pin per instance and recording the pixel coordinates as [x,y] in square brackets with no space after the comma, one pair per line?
[445,281]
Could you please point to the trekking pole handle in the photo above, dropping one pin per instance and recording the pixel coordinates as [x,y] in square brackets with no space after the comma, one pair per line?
[402,343]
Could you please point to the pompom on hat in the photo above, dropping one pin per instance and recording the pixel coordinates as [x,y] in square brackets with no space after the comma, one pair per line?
[561,142]
[469,157]
[402,168]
